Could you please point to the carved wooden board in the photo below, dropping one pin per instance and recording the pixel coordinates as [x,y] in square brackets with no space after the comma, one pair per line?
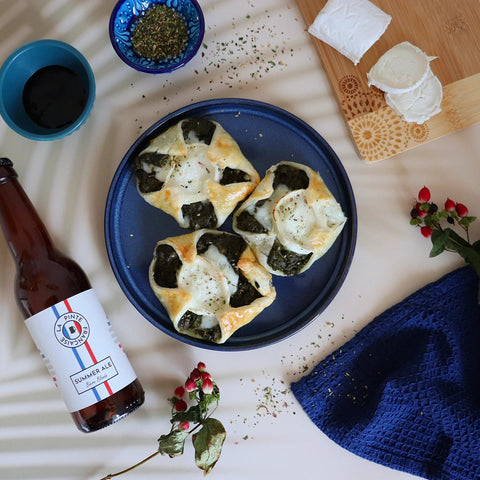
[447,29]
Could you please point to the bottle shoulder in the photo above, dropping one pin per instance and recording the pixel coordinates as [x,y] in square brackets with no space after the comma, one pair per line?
[45,280]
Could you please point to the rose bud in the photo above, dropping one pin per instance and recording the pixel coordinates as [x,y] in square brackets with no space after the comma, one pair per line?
[461,209]
[424,195]
[183,425]
[190,385]
[426,232]
[181,406]
[179,392]
[196,374]
[449,205]
[207,386]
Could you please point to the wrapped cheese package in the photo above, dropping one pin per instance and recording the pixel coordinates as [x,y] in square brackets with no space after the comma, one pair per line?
[350,26]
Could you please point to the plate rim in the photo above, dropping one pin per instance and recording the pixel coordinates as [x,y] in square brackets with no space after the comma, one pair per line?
[218,104]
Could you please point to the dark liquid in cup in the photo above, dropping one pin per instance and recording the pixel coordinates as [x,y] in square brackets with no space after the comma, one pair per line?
[54,97]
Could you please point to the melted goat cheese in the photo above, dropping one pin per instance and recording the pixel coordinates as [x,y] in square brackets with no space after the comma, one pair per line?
[294,220]
[210,280]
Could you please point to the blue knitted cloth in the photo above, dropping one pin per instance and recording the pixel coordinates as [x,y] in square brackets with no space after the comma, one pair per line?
[405,391]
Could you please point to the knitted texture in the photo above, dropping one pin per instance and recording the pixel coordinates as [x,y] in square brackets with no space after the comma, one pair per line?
[405,391]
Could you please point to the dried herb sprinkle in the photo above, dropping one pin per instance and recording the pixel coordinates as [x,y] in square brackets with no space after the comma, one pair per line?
[160,33]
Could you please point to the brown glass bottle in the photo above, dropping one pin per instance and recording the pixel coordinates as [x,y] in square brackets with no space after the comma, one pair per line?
[46,277]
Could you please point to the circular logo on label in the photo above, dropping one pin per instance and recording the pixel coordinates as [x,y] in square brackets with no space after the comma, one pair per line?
[72,329]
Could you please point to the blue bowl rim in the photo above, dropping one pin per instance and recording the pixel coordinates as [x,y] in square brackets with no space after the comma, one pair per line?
[55,134]
[159,70]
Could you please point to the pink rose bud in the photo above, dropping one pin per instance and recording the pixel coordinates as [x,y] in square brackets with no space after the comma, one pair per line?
[179,392]
[190,385]
[205,376]
[196,374]
[183,425]
[462,210]
[201,366]
[449,205]
[207,386]
[426,232]
[424,195]
[181,406]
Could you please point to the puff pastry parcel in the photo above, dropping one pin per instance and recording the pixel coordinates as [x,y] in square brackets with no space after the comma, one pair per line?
[195,172]
[210,283]
[290,220]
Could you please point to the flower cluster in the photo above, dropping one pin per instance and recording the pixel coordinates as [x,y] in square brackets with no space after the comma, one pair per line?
[192,406]
[426,215]
[200,388]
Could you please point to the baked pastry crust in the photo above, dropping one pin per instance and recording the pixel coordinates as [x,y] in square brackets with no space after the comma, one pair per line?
[195,172]
[210,283]
[290,220]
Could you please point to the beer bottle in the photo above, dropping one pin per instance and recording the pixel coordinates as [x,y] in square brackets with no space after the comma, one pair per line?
[65,318]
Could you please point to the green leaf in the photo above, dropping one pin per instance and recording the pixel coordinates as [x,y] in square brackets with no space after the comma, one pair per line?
[476,246]
[173,443]
[208,443]
[466,221]
[447,240]
[471,256]
[439,237]
[193,415]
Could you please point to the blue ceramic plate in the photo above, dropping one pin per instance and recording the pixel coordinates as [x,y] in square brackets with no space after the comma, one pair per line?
[266,135]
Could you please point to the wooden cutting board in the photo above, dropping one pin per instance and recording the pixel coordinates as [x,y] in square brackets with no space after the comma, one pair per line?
[447,29]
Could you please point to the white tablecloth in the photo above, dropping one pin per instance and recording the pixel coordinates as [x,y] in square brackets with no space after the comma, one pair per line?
[256,49]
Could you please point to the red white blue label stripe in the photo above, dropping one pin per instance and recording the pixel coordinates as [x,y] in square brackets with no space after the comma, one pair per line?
[84,354]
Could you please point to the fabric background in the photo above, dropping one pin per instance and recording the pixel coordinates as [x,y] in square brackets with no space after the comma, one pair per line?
[405,391]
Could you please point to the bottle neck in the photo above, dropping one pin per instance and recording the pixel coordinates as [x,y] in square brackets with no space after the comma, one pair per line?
[24,231]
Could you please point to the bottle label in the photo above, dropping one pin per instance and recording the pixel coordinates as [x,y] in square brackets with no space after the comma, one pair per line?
[81,351]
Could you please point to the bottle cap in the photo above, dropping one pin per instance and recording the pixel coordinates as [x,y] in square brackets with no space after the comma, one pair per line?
[5,162]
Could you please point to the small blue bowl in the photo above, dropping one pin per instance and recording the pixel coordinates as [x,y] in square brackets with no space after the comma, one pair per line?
[127,13]
[21,65]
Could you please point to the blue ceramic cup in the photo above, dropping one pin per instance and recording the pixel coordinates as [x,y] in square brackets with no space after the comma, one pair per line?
[19,68]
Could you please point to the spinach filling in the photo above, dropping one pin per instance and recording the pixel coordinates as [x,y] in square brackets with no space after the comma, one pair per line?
[293,178]
[279,257]
[229,245]
[233,175]
[248,223]
[200,129]
[232,247]
[147,182]
[245,294]
[285,260]
[192,323]
[200,215]
[166,266]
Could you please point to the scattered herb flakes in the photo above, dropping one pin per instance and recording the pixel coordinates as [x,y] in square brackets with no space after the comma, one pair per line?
[253,50]
[273,399]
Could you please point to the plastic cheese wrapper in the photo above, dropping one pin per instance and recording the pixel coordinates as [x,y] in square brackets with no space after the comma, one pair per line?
[350,26]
